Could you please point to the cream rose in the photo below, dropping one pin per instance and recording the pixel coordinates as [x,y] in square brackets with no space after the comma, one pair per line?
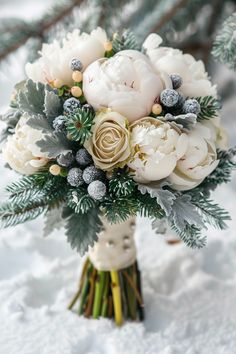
[172,61]
[199,160]
[126,83]
[54,61]
[157,146]
[109,145]
[21,151]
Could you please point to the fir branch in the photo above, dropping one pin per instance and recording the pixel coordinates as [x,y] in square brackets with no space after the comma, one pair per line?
[118,209]
[212,213]
[122,184]
[80,201]
[222,173]
[126,40]
[191,236]
[17,36]
[79,124]
[209,107]
[224,47]
[148,207]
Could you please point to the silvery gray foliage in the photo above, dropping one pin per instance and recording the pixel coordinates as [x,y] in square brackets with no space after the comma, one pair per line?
[52,105]
[186,121]
[184,213]
[53,221]
[164,197]
[54,144]
[160,226]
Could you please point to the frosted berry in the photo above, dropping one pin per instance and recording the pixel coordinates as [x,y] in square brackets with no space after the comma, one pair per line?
[71,105]
[191,106]
[92,173]
[97,190]
[59,124]
[169,98]
[83,157]
[176,81]
[74,177]
[88,107]
[65,160]
[76,64]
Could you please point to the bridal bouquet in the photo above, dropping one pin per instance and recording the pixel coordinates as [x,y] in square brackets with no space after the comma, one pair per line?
[103,130]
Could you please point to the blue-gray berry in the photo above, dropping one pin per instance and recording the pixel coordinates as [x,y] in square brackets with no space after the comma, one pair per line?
[76,64]
[83,157]
[71,105]
[92,173]
[176,81]
[192,106]
[75,177]
[88,107]
[169,98]
[97,190]
[59,124]
[66,160]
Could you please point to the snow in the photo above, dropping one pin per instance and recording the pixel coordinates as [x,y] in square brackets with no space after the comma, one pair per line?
[189,295]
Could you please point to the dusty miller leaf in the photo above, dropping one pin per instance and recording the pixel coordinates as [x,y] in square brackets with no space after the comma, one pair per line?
[185,213]
[54,144]
[53,221]
[82,230]
[164,197]
[52,105]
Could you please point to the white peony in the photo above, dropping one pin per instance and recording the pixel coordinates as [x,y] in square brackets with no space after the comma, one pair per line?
[21,151]
[172,61]
[219,134]
[55,59]
[126,83]
[157,146]
[199,160]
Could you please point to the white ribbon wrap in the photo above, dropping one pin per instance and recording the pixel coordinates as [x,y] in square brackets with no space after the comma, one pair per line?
[115,248]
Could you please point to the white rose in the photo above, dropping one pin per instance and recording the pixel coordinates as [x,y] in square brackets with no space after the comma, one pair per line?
[157,146]
[126,83]
[54,62]
[199,160]
[172,61]
[21,151]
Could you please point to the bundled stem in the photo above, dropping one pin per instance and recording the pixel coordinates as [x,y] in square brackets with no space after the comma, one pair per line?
[111,294]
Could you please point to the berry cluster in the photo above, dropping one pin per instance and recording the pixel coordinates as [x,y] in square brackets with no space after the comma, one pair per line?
[80,171]
[172,101]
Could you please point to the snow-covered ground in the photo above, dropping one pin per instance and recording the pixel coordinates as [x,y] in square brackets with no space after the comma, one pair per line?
[190,296]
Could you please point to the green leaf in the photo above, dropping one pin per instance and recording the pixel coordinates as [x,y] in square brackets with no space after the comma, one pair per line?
[54,144]
[53,220]
[209,107]
[82,230]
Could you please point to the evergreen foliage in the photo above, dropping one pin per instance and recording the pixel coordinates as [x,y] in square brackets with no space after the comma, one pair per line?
[224,47]
[122,184]
[126,40]
[79,124]
[80,201]
[209,107]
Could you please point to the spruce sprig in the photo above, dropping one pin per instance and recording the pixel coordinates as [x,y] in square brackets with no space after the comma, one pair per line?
[80,201]
[79,124]
[209,107]
[126,40]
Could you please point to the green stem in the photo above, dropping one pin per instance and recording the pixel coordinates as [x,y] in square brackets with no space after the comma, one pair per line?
[99,286]
[85,289]
[104,312]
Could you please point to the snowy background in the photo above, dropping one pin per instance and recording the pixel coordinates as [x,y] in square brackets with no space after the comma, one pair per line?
[190,296]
